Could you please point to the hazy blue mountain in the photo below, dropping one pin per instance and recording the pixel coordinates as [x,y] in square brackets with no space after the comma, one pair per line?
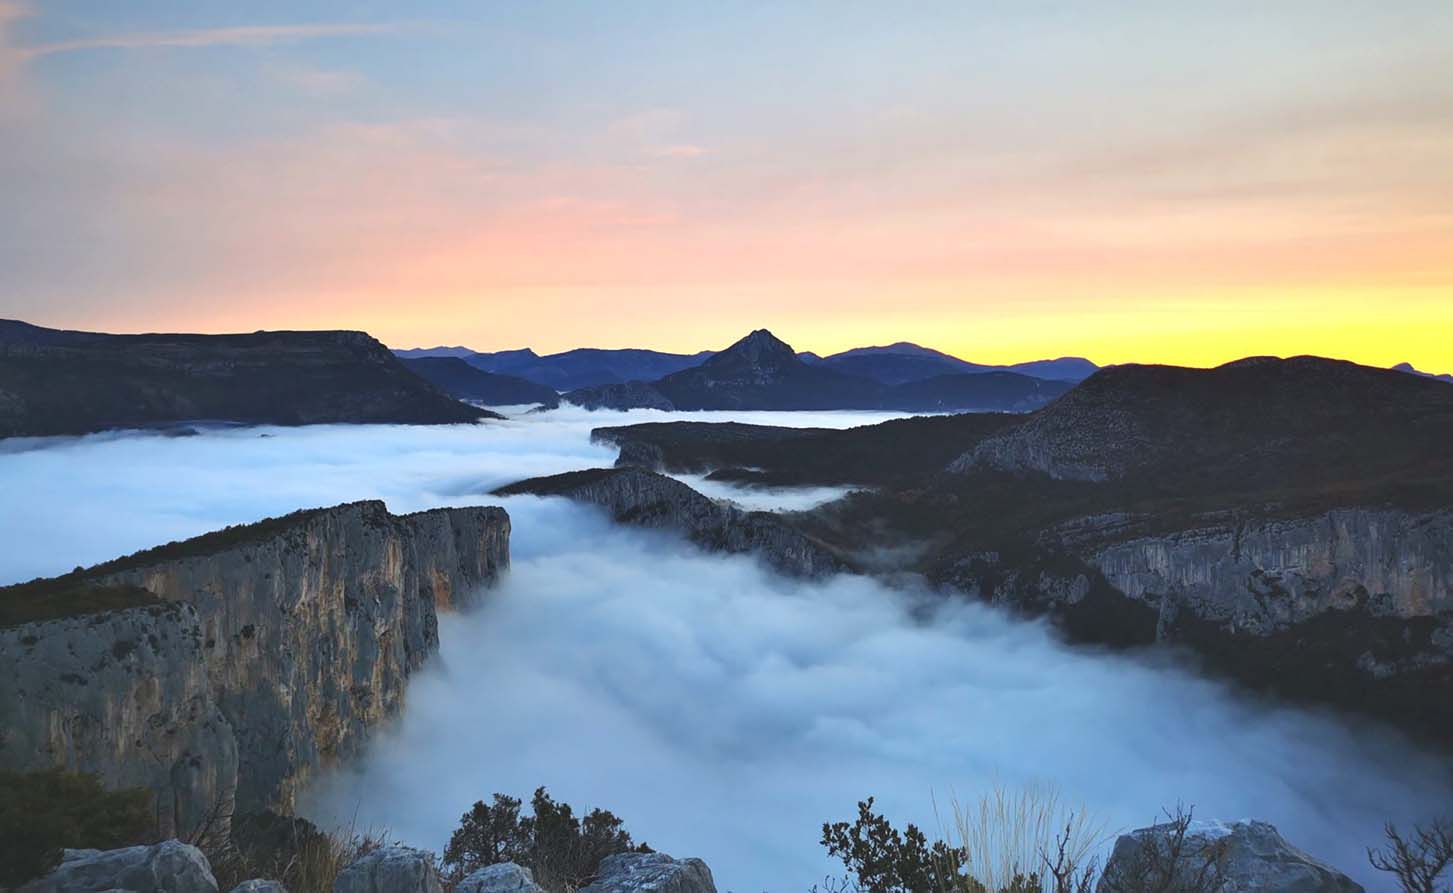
[462,381]
[761,372]
[987,391]
[414,353]
[904,362]
[587,367]
[1408,367]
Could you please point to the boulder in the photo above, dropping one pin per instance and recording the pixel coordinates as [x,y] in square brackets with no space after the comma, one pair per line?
[1246,856]
[257,885]
[502,877]
[390,869]
[167,867]
[654,872]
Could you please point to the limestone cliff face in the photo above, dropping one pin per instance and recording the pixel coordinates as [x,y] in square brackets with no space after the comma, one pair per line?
[125,696]
[1351,606]
[296,635]
[646,499]
[1260,578]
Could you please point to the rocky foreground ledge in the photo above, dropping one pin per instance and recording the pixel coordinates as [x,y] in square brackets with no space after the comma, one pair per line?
[220,672]
[1236,856]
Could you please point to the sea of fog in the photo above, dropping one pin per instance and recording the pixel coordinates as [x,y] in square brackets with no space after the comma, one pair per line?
[722,711]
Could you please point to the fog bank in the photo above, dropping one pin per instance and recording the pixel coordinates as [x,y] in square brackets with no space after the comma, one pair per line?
[722,711]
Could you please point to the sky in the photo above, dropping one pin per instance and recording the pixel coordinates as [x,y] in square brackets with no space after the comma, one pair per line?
[1161,181]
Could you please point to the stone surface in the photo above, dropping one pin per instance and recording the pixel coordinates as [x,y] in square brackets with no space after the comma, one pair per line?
[258,885]
[646,499]
[276,649]
[390,869]
[125,696]
[502,877]
[654,872]
[1263,576]
[1253,857]
[167,867]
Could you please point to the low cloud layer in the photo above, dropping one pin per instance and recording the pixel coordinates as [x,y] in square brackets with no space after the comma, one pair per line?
[722,711]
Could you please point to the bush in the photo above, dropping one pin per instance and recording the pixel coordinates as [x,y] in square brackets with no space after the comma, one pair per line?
[287,849]
[563,851]
[1010,843]
[1418,861]
[42,813]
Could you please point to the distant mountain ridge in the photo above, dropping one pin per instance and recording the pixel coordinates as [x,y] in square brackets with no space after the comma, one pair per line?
[762,372]
[458,379]
[892,364]
[55,382]
[1408,368]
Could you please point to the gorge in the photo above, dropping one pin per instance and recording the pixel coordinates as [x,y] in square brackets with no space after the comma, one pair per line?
[628,668]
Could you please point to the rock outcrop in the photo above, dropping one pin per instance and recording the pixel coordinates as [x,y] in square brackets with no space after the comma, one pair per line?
[167,867]
[502,877]
[60,382]
[1246,855]
[254,656]
[1261,577]
[390,869]
[646,499]
[259,885]
[621,395]
[1348,606]
[651,873]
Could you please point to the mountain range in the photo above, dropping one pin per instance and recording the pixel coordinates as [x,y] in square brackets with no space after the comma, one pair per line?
[762,372]
[891,364]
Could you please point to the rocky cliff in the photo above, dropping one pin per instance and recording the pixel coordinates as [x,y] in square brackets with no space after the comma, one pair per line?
[646,499]
[273,650]
[1352,606]
[60,382]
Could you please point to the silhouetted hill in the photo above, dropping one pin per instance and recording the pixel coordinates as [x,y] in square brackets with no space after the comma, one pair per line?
[591,367]
[905,362]
[457,378]
[1408,367]
[571,369]
[59,382]
[897,451]
[982,391]
[762,372]
[1260,421]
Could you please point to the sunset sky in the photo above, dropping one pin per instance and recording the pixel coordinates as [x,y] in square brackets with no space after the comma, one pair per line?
[1162,181]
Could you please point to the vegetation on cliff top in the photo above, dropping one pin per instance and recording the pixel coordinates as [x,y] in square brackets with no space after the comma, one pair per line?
[42,813]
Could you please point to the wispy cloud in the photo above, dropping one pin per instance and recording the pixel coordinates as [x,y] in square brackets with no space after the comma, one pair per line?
[679,150]
[318,82]
[251,35]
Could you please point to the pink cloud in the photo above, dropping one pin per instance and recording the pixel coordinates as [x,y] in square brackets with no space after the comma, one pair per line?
[679,150]
[255,35]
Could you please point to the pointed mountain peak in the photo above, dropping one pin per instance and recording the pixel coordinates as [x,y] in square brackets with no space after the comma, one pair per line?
[759,348]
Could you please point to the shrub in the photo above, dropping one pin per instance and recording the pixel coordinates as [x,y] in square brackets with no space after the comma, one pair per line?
[1010,843]
[42,813]
[563,851]
[882,859]
[287,849]
[1419,861]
